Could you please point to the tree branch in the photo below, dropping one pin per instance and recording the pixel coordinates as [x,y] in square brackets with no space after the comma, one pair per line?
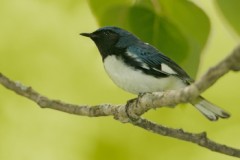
[134,108]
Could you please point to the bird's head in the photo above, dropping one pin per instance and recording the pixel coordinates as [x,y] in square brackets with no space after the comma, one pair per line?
[109,39]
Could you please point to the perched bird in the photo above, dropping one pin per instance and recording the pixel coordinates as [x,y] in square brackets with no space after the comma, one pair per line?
[138,67]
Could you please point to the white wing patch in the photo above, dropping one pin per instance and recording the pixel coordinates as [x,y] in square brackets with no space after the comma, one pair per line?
[164,67]
[167,69]
[157,69]
[145,66]
[134,56]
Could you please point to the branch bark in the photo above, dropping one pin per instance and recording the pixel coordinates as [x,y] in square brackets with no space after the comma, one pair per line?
[131,112]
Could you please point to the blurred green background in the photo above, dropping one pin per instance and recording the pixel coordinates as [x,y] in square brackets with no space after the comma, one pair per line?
[40,46]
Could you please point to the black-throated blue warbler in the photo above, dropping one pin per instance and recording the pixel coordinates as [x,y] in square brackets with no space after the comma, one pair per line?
[138,67]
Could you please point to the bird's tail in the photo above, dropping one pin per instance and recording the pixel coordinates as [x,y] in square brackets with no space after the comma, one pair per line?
[209,110]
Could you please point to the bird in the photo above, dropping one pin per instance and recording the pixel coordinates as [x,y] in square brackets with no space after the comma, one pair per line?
[138,67]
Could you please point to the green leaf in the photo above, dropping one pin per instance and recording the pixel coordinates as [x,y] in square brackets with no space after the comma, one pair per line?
[230,10]
[161,33]
[179,29]
[109,12]
[194,25]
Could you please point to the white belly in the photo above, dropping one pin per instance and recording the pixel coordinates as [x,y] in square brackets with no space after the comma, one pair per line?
[135,81]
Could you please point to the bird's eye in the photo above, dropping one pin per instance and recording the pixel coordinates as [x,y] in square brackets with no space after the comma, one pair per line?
[106,33]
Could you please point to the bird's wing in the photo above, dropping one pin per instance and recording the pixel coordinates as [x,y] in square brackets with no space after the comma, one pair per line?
[155,63]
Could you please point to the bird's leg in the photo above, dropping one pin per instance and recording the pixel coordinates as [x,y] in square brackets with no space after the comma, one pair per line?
[130,111]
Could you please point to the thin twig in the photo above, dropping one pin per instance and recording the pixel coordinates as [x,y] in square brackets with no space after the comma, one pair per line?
[198,138]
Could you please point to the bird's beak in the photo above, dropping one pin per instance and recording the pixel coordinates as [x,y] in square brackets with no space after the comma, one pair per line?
[90,35]
[86,34]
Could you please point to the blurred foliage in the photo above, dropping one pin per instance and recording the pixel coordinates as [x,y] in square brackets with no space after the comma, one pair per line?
[179,29]
[230,10]
[40,46]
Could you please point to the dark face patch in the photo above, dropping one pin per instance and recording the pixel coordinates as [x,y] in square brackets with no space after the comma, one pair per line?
[105,41]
